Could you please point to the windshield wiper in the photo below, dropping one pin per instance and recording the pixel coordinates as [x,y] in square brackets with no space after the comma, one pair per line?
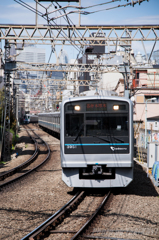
[109,140]
[80,129]
[118,139]
[102,139]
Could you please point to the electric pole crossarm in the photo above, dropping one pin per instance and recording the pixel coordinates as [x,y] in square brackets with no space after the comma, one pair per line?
[80,35]
[101,68]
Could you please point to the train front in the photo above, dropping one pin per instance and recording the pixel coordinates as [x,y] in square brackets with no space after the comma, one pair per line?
[97,142]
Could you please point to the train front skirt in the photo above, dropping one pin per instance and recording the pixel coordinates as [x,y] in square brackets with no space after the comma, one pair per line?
[117,177]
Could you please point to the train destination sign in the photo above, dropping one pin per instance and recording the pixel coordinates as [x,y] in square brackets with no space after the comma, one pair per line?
[96,107]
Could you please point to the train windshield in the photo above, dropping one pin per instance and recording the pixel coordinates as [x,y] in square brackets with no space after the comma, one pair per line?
[104,125]
[92,124]
[74,124]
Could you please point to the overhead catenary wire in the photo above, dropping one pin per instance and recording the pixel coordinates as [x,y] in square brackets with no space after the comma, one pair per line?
[65,15]
[49,23]
[66,19]
[80,12]
[40,14]
[78,7]
[132,3]
[69,20]
[48,20]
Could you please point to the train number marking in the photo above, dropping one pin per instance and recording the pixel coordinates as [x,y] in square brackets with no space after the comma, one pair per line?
[71,146]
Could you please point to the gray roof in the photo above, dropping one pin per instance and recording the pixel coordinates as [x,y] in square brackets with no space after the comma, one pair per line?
[155,118]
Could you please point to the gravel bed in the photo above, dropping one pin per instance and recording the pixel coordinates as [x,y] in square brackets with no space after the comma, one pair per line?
[78,217]
[133,213]
[26,204]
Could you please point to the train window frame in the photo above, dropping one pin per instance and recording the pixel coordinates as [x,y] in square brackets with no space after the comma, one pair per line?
[110,103]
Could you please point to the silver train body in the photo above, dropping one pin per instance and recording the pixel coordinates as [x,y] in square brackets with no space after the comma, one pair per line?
[28,118]
[50,121]
[96,138]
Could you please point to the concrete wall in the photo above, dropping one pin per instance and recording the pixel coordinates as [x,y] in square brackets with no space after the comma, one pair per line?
[110,80]
[139,111]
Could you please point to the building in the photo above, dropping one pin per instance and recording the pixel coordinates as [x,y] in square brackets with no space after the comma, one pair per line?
[29,54]
[145,96]
[109,80]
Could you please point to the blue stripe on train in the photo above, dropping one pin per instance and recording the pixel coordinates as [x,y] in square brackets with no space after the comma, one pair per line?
[97,144]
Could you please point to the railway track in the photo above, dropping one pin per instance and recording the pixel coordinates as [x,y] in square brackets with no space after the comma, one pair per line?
[31,164]
[52,225]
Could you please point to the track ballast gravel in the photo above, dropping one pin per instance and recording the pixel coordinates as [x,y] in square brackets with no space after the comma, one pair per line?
[133,213]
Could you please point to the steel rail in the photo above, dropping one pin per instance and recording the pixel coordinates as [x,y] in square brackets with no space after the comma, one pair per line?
[31,170]
[52,221]
[91,218]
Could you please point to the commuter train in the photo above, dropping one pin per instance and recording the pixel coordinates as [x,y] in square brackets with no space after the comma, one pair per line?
[28,118]
[50,122]
[96,140]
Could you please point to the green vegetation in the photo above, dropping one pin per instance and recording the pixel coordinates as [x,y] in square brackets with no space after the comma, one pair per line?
[1,162]
[14,139]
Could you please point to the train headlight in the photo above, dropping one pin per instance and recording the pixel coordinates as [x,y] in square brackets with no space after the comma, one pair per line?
[116,107]
[77,108]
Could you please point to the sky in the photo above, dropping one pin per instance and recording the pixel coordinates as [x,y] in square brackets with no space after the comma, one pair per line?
[146,13]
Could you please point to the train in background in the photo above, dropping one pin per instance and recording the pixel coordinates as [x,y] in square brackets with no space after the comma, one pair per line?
[96,140]
[50,122]
[29,118]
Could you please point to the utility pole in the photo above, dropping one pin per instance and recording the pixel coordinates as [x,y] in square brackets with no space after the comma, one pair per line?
[6,140]
[79,20]
[6,132]
[16,83]
[36,15]
[17,101]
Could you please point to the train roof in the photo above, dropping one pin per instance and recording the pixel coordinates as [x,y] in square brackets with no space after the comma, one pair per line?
[28,114]
[100,97]
[48,113]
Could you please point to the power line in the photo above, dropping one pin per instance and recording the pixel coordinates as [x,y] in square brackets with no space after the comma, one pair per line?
[45,16]
[69,20]
[41,15]
[132,3]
